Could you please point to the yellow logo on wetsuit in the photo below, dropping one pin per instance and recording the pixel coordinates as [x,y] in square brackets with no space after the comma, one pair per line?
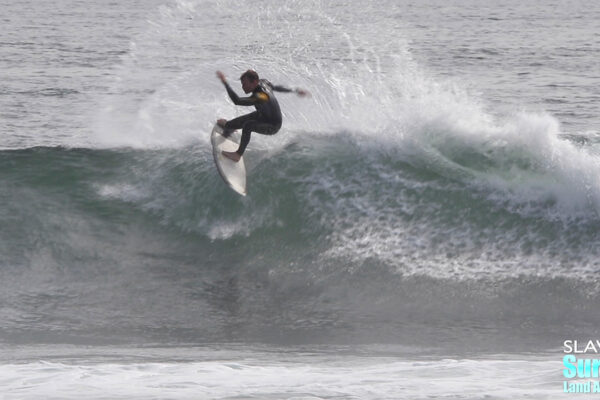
[262,96]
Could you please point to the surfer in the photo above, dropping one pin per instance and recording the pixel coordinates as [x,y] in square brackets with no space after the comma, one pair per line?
[267,117]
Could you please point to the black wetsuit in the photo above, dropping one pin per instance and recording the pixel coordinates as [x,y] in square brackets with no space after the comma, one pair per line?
[267,117]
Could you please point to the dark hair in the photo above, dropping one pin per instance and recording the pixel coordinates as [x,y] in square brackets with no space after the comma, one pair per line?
[251,75]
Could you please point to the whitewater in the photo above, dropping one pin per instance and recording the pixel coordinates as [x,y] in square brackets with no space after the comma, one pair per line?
[424,226]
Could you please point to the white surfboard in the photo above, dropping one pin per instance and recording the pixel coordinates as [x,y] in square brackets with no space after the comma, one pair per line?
[233,173]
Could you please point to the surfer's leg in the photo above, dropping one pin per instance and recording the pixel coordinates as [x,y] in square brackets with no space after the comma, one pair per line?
[238,123]
[264,128]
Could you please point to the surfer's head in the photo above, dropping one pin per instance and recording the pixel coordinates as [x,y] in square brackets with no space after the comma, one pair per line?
[249,81]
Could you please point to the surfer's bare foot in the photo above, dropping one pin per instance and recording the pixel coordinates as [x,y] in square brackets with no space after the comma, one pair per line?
[232,155]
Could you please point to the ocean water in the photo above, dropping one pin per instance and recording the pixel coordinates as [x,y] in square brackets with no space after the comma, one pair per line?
[424,226]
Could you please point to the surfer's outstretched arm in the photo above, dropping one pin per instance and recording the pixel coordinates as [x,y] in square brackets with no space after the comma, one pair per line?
[285,89]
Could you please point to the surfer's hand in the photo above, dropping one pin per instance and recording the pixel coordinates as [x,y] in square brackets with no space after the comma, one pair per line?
[302,93]
[221,122]
[221,76]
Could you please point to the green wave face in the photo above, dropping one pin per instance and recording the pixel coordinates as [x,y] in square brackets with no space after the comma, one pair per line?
[335,241]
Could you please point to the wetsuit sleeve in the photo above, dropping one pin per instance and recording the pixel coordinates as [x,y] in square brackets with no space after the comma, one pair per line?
[279,88]
[243,101]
